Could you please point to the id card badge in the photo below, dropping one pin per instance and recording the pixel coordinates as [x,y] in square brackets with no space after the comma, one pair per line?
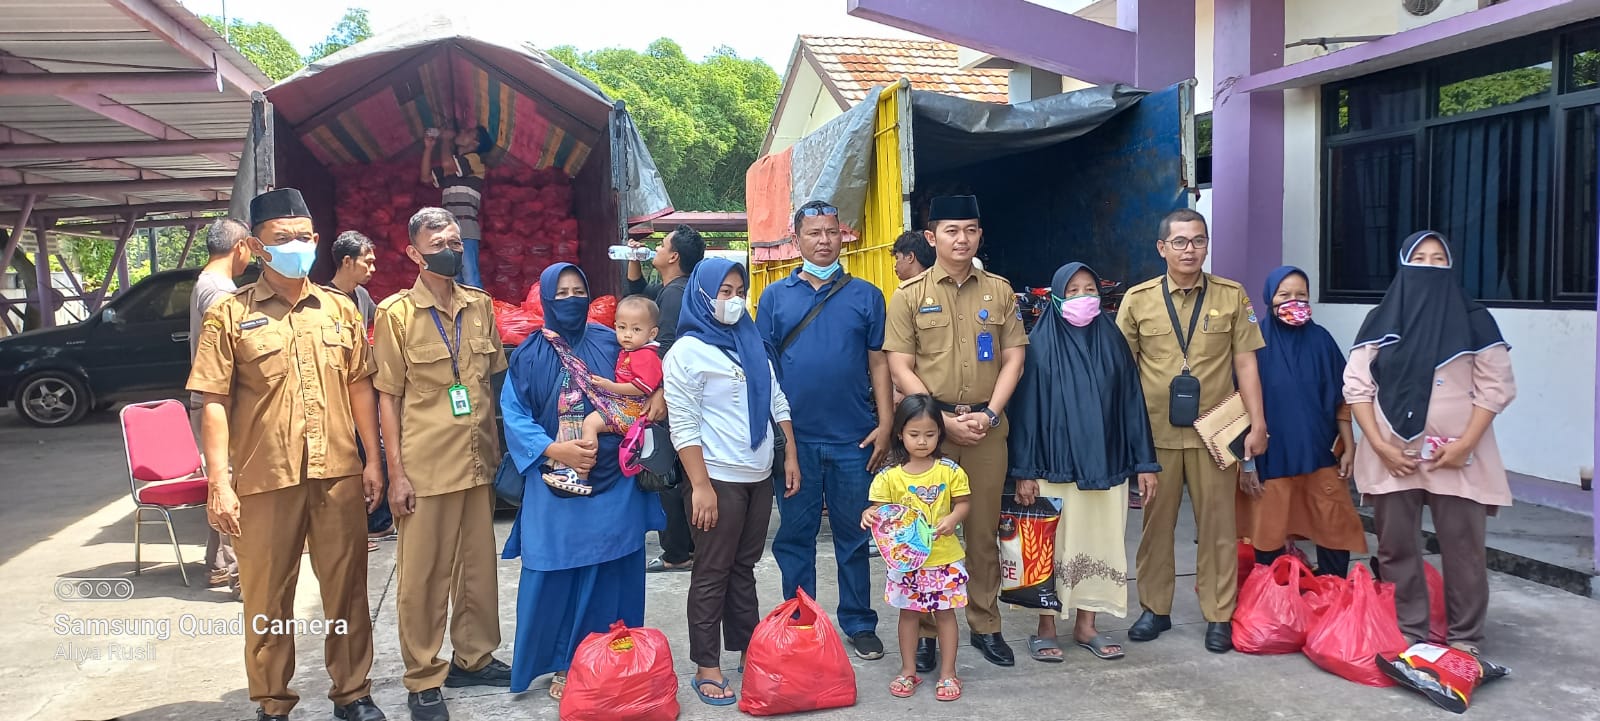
[985,339]
[459,405]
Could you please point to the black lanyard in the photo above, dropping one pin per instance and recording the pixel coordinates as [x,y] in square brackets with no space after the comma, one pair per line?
[455,369]
[1194,318]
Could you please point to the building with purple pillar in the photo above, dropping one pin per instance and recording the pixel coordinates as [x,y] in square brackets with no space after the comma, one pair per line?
[1338,128]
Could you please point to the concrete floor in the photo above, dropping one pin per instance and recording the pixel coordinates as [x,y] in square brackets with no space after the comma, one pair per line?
[67,514]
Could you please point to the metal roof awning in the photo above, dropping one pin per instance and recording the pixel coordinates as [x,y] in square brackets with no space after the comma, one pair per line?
[117,108]
[1445,37]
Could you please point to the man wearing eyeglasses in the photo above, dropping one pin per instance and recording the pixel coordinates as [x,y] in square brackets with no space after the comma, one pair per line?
[1194,334]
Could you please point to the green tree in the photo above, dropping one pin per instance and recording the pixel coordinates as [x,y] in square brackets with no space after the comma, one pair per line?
[262,44]
[90,258]
[703,121]
[352,29]
[1488,91]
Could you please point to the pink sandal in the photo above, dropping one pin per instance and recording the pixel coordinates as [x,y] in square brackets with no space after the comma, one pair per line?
[904,686]
[948,689]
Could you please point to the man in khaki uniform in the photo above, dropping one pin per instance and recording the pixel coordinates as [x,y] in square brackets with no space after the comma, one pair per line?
[953,332]
[1221,349]
[437,347]
[286,380]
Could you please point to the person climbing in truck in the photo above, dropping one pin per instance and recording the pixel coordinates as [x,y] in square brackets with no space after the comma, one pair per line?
[458,175]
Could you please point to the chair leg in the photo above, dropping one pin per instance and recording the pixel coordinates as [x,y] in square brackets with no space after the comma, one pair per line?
[176,553]
[138,520]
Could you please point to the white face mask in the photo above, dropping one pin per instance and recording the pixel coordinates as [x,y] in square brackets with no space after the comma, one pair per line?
[726,312]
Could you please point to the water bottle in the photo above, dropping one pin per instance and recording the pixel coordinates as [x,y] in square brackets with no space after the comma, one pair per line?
[623,252]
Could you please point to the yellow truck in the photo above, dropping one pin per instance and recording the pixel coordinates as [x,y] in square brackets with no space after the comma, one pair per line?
[1078,176]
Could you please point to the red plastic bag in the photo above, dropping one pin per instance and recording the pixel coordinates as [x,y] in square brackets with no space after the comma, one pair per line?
[531,301]
[603,310]
[1247,563]
[796,662]
[1438,620]
[1354,633]
[1323,594]
[624,674]
[514,323]
[1272,616]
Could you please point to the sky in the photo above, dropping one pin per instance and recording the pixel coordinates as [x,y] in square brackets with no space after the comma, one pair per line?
[764,29]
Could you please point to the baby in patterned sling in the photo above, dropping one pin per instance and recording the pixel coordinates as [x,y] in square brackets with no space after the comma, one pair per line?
[620,403]
[930,490]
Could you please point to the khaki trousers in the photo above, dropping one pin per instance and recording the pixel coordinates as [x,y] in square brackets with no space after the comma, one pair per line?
[986,465]
[329,517]
[446,562]
[1211,493]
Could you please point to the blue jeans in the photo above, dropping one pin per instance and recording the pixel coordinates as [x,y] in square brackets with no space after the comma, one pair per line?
[469,274]
[838,474]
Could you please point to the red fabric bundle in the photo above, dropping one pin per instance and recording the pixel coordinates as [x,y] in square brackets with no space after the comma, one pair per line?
[1359,629]
[1272,616]
[624,674]
[796,663]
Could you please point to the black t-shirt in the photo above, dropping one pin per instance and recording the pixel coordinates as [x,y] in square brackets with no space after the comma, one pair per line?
[669,298]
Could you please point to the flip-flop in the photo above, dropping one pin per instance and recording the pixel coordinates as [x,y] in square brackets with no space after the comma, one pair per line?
[371,545]
[563,481]
[948,689]
[1098,646]
[1037,645]
[656,565]
[558,686]
[701,683]
[904,686]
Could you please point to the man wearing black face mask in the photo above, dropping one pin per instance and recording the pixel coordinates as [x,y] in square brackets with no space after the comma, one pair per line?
[437,348]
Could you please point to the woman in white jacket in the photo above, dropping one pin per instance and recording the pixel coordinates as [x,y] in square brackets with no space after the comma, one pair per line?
[726,408]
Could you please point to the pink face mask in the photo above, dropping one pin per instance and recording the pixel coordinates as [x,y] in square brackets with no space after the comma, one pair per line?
[1294,312]
[1080,310]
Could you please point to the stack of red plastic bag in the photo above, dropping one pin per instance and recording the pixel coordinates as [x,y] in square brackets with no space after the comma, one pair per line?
[796,662]
[1273,616]
[527,218]
[517,322]
[624,674]
[1356,630]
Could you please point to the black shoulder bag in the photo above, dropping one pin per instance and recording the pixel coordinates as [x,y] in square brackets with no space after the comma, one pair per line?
[1183,403]
[788,340]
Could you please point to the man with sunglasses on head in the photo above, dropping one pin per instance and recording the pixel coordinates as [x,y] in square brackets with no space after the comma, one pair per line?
[827,331]
[1194,336]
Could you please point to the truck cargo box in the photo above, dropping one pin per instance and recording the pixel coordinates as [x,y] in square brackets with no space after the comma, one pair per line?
[1078,176]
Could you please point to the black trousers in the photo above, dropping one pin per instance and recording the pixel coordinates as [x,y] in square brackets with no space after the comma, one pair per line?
[723,610]
[677,543]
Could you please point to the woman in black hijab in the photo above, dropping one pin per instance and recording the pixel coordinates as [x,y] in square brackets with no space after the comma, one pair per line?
[1079,430]
[1427,376]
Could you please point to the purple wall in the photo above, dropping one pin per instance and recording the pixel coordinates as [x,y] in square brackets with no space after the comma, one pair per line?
[1247,144]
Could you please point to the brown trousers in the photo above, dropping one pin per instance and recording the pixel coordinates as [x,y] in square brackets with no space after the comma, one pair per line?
[1458,523]
[723,609]
[1211,493]
[329,517]
[446,562]
[986,466]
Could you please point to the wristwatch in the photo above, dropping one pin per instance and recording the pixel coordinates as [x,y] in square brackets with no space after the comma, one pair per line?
[994,418]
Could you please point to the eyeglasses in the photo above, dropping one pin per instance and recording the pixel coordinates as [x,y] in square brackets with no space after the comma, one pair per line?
[1180,242]
[814,212]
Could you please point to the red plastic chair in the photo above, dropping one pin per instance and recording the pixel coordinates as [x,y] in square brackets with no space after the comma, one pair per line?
[164,471]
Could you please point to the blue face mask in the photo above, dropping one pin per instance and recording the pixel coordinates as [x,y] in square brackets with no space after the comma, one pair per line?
[292,259]
[819,271]
[567,315]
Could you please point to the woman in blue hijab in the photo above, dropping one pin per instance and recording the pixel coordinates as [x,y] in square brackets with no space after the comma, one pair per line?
[582,556]
[727,413]
[1306,491]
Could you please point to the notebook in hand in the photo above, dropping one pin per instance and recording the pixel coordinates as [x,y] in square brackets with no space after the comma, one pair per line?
[1222,429]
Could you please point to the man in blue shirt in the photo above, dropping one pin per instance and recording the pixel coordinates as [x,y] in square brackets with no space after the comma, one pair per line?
[834,371]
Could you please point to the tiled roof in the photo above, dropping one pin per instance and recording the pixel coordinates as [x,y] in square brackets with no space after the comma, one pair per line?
[856,65]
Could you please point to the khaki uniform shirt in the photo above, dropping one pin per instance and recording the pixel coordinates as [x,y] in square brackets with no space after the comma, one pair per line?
[1227,327]
[286,367]
[439,451]
[938,322]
